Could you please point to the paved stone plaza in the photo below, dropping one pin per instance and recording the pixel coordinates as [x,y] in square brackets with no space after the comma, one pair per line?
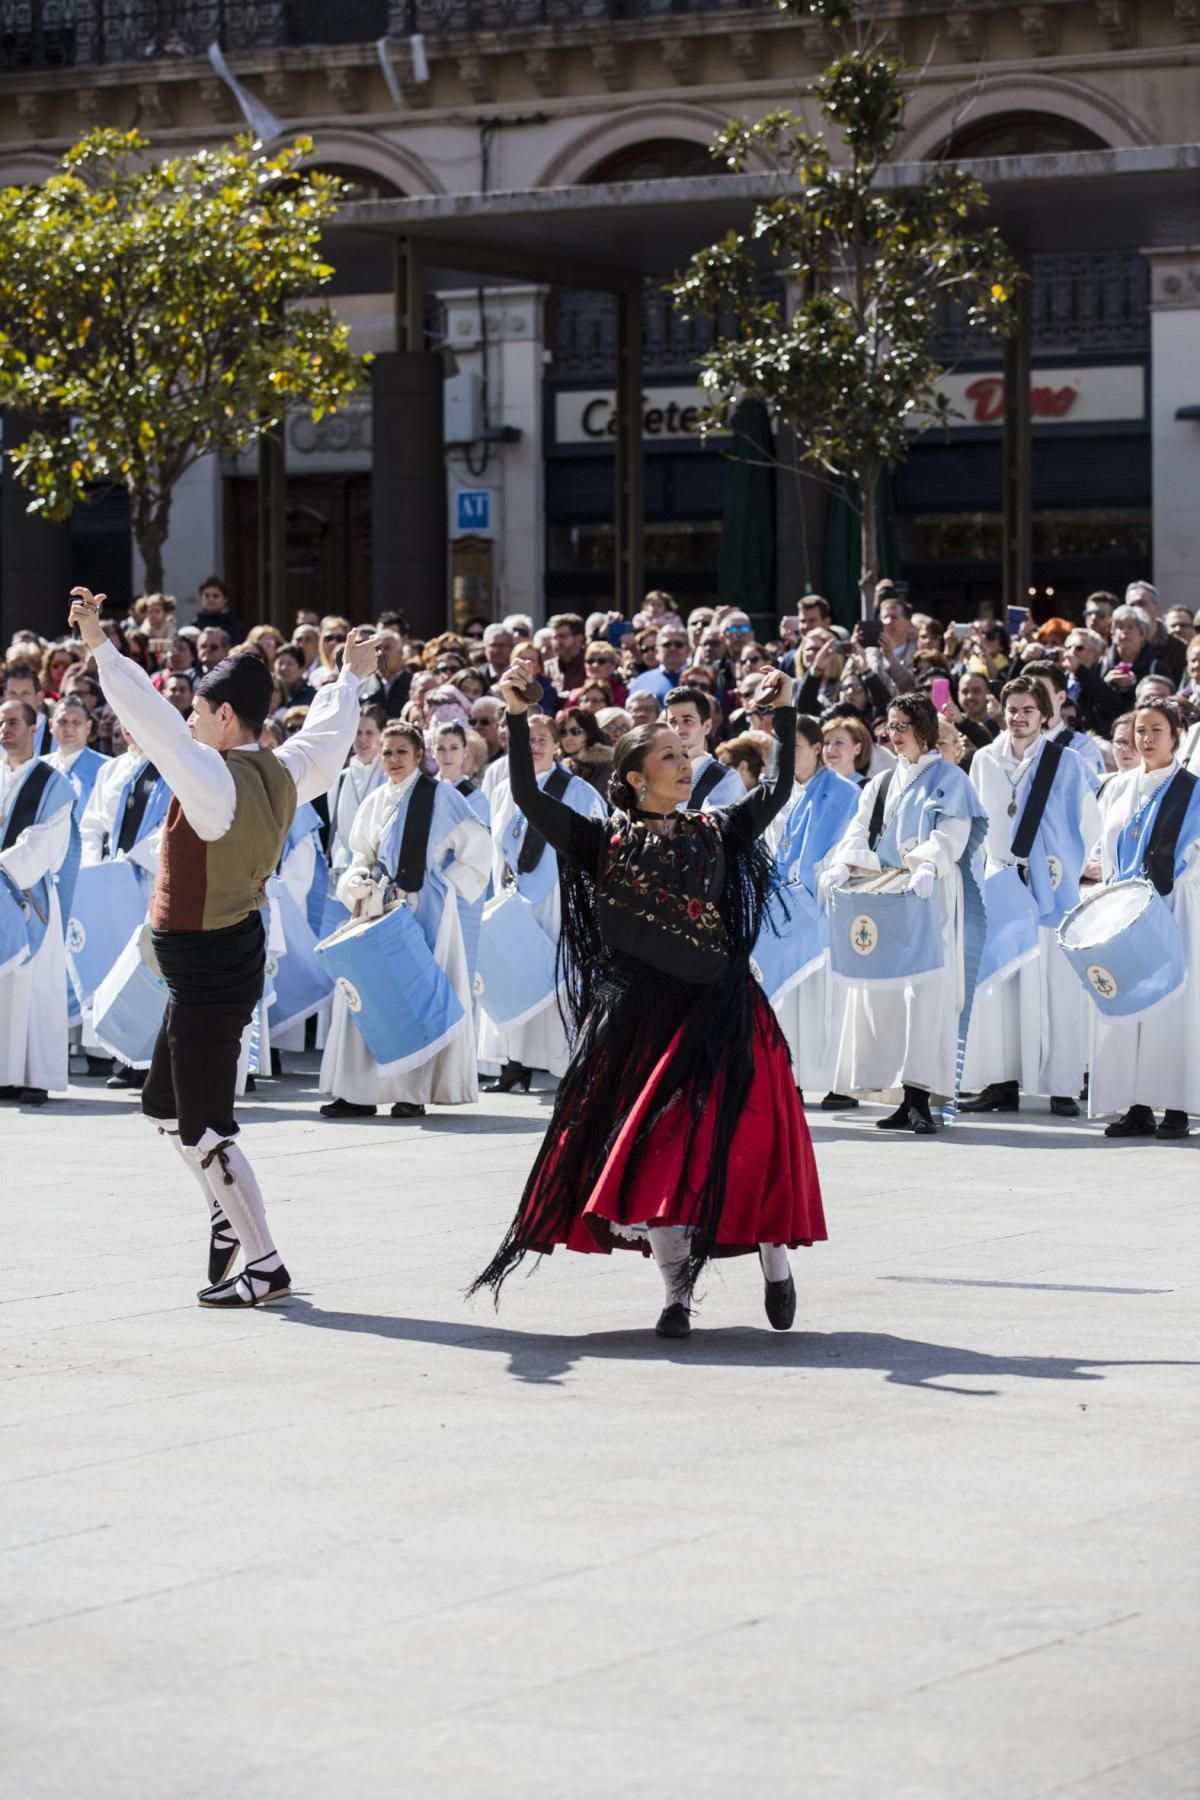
[937,1544]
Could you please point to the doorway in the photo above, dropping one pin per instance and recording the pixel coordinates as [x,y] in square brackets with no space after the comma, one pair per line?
[328,555]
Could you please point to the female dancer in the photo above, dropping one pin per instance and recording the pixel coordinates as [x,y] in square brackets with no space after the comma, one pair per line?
[521,855]
[677,1128]
[922,815]
[1138,1064]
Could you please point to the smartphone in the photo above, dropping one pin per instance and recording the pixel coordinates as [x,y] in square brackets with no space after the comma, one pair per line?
[1018,617]
[870,634]
[939,692]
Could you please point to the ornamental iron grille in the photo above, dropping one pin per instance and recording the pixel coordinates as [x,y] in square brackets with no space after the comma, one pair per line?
[48,34]
[1084,305]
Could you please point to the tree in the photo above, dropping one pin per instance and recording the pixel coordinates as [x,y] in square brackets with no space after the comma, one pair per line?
[852,364]
[148,318]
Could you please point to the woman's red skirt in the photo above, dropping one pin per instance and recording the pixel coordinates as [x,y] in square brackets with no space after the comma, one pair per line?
[772,1194]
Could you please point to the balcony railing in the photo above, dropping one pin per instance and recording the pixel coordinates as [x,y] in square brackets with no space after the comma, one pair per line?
[50,34]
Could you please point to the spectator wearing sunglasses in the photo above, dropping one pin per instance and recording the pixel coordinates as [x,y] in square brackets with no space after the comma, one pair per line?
[600,663]
[334,633]
[672,653]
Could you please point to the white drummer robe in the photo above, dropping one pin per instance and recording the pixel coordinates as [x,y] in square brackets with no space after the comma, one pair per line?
[1151,1061]
[458,863]
[33,996]
[907,1034]
[1031,1026]
[541,1043]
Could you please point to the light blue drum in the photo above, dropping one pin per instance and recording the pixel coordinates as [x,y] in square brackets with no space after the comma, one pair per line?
[333,915]
[128,1005]
[798,944]
[1012,926]
[299,981]
[398,997]
[514,974]
[1123,943]
[886,940]
[107,907]
[14,939]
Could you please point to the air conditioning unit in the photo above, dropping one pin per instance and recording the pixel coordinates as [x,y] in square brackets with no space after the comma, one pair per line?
[462,403]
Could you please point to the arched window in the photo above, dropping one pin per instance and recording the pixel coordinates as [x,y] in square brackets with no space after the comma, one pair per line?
[1019,134]
[658,159]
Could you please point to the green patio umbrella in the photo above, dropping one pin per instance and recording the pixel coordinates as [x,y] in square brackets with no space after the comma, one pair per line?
[746,565]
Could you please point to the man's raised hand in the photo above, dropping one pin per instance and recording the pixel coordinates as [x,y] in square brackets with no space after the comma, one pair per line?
[85,616]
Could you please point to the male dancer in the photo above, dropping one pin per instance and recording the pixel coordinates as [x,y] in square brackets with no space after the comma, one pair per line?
[230,812]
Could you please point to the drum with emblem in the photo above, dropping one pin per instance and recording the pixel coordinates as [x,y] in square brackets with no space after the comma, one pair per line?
[884,939]
[14,939]
[794,941]
[1012,926]
[514,972]
[397,995]
[128,1005]
[1123,943]
[107,907]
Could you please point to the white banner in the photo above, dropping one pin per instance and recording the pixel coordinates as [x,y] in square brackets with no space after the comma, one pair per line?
[1100,396]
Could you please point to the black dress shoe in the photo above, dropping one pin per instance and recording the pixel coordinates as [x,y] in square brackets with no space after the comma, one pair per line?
[276,1063]
[99,1065]
[900,1120]
[1063,1107]
[997,1096]
[838,1102]
[10,1093]
[922,1124]
[675,1321]
[34,1096]
[779,1299]
[346,1109]
[1138,1122]
[513,1075]
[1173,1124]
[407,1109]
[125,1077]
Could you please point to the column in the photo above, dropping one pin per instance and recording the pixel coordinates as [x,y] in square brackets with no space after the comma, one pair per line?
[408,489]
[1175,439]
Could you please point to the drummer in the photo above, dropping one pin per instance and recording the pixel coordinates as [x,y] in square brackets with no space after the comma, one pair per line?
[524,858]
[450,754]
[1142,1063]
[455,859]
[922,815]
[810,1014]
[1028,1028]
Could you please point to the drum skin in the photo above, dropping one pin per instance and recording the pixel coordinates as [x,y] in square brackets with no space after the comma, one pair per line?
[1125,947]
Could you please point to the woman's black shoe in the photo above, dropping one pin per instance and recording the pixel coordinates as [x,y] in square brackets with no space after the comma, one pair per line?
[674,1321]
[125,1077]
[346,1109]
[918,1111]
[513,1075]
[1064,1106]
[407,1109]
[779,1299]
[838,1102]
[1138,1122]
[1172,1125]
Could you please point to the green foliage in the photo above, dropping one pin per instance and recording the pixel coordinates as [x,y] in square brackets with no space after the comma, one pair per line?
[849,365]
[149,316]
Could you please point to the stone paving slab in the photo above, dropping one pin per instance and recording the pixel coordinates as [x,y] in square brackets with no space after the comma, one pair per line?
[938,1543]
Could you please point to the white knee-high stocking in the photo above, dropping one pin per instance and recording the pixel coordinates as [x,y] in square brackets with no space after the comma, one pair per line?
[230,1179]
[670,1246]
[219,1223]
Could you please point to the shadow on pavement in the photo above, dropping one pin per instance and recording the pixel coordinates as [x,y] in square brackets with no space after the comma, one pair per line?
[545,1359]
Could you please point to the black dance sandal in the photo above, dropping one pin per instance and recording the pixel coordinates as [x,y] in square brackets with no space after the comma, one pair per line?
[223,1248]
[253,1287]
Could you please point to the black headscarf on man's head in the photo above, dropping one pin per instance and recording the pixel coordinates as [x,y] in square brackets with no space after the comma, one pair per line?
[243,681]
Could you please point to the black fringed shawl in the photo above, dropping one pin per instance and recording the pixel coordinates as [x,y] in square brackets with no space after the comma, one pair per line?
[654,955]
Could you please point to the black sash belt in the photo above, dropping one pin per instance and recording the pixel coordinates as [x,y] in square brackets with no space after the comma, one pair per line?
[24,812]
[1159,860]
[534,846]
[414,844]
[136,801]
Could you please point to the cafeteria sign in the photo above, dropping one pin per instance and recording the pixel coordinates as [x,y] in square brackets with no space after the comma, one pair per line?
[669,414]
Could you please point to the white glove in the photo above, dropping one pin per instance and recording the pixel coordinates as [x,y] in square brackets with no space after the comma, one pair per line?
[923,880]
[836,876]
[358,884]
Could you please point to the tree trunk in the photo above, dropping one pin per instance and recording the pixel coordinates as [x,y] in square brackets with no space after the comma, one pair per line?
[150,522]
[869,492]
